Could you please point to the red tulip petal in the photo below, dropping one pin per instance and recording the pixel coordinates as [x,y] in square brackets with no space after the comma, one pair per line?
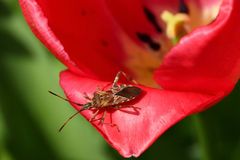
[86,29]
[39,24]
[136,15]
[208,59]
[204,4]
[174,5]
[159,6]
[132,17]
[160,109]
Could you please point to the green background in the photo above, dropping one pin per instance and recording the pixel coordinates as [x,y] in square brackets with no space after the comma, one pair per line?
[30,116]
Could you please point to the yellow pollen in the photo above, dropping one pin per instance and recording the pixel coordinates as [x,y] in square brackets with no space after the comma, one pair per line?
[176,25]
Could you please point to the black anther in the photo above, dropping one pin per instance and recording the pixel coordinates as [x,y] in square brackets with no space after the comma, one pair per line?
[151,17]
[183,8]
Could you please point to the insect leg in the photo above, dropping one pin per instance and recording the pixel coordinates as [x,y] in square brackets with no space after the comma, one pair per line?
[126,106]
[103,117]
[111,124]
[86,96]
[116,79]
[117,107]
[130,106]
[114,85]
[128,78]
[94,116]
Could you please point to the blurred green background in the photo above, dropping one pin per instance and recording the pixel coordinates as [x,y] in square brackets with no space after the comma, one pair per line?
[30,116]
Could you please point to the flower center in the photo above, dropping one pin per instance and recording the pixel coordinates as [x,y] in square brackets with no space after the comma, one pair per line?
[142,62]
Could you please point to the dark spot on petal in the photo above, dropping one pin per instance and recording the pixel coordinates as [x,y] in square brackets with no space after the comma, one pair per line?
[151,17]
[155,46]
[104,43]
[183,8]
[83,12]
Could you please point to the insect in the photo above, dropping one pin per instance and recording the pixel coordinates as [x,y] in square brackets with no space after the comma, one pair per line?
[114,97]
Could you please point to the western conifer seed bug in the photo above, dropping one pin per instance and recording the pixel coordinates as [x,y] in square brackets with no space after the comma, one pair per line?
[102,100]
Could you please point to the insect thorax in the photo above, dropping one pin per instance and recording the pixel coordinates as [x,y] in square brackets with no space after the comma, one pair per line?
[102,99]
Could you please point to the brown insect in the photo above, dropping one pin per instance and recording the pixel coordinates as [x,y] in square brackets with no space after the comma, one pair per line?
[114,97]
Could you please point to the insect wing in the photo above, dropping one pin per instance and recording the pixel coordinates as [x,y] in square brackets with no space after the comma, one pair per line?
[129,92]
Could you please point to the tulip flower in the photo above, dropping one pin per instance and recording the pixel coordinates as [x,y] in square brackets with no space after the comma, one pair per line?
[185,55]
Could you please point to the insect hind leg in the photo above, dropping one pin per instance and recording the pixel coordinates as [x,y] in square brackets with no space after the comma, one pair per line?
[110,124]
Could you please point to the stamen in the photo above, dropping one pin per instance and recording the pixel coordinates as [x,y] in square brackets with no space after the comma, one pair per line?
[176,25]
[143,62]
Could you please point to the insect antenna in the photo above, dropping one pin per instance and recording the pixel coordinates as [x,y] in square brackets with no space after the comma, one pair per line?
[64,124]
[65,99]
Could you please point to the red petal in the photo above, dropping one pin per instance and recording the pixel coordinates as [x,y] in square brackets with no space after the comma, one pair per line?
[131,17]
[159,5]
[173,5]
[89,34]
[39,24]
[208,59]
[203,3]
[201,12]
[160,109]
